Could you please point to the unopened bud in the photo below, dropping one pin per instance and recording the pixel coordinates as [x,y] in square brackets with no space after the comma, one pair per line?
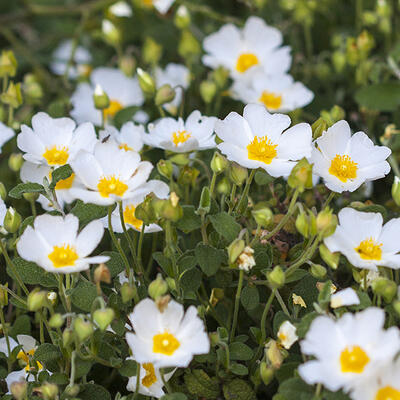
[100,98]
[274,354]
[151,52]
[3,191]
[237,174]
[306,224]
[180,159]
[219,163]
[220,76]
[83,329]
[386,288]
[102,274]
[182,17]
[171,209]
[208,90]
[56,321]
[158,287]
[318,271]
[31,197]
[127,65]
[12,220]
[301,176]
[146,82]
[205,201]
[224,186]
[49,391]
[266,373]
[332,259]
[67,337]
[326,222]
[13,95]
[127,292]
[103,317]
[4,295]
[235,249]
[15,161]
[165,94]
[37,300]
[171,284]
[165,168]
[147,211]
[319,127]
[339,60]
[395,190]
[8,64]
[111,32]
[276,277]
[189,46]
[263,216]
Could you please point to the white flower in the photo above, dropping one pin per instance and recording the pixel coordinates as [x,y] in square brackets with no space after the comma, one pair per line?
[27,351]
[196,133]
[167,338]
[256,140]
[162,6]
[384,386]
[345,297]
[62,55]
[278,93]
[345,162]
[36,173]
[3,211]
[129,138]
[159,188]
[55,245]
[246,259]
[121,9]
[361,237]
[54,141]
[349,350]
[245,51]
[110,174]
[6,134]
[151,383]
[122,91]
[287,335]
[176,75]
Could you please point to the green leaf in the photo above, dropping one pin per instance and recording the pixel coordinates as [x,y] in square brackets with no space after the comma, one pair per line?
[238,369]
[21,326]
[174,396]
[32,274]
[190,220]
[46,353]
[82,367]
[83,295]
[190,279]
[305,323]
[91,391]
[88,212]
[296,389]
[262,256]
[380,97]
[208,258]
[22,188]
[164,263]
[200,384]
[225,225]
[60,174]
[240,351]
[238,389]
[250,297]
[58,378]
[128,368]
[327,395]
[115,264]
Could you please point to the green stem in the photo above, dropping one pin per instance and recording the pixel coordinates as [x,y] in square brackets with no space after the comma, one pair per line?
[137,380]
[306,256]
[236,310]
[241,207]
[212,184]
[5,332]
[232,198]
[329,199]
[282,303]
[359,14]
[308,40]
[140,247]
[203,229]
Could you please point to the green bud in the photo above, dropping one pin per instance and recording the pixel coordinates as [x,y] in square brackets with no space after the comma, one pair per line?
[266,373]
[318,271]
[301,176]
[19,390]
[4,296]
[171,209]
[235,249]
[263,216]
[67,337]
[151,52]
[189,47]
[188,176]
[103,317]
[3,191]
[31,87]
[71,391]
[165,168]
[83,329]
[386,288]
[56,321]
[339,61]
[15,161]
[205,202]
[8,64]
[220,76]
[146,210]
[13,95]
[237,174]
[165,94]
[219,163]
[182,18]
[306,224]
[158,287]
[37,300]
[12,220]
[332,259]
[146,82]
[49,391]
[31,197]
[179,159]
[326,222]
[208,90]
[110,32]
[224,186]
[365,42]
[276,277]
[171,284]
[337,113]
[127,64]
[319,127]
[127,292]
[100,98]
[395,190]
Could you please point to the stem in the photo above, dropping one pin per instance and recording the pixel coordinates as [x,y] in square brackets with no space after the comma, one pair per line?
[5,332]
[232,198]
[359,12]
[329,199]
[212,184]
[236,311]
[306,255]
[308,40]
[140,246]
[137,380]
[241,207]
[203,229]
[282,303]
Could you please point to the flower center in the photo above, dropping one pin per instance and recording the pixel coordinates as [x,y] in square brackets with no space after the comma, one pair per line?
[246,61]
[353,359]
[271,101]
[56,155]
[150,378]
[148,3]
[368,249]
[63,256]
[262,149]
[388,393]
[65,183]
[129,217]
[343,167]
[24,356]
[180,137]
[111,185]
[165,343]
[112,109]
[124,146]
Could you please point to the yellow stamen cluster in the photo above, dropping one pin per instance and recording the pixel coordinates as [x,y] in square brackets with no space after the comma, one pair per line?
[165,343]
[24,356]
[124,146]
[56,155]
[150,377]
[353,359]
[343,167]
[111,185]
[246,61]
[262,149]
[368,249]
[63,256]
[129,217]
[271,100]
[180,137]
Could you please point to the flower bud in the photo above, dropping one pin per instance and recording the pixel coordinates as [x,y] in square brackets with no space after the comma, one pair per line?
[127,64]
[12,220]
[224,186]
[386,288]
[189,46]
[235,249]
[319,127]
[266,373]
[276,277]
[4,296]
[274,354]
[37,300]
[165,94]
[3,191]
[127,292]
[171,284]
[301,176]
[110,32]
[13,95]
[165,168]
[188,176]
[158,287]
[83,329]
[8,64]
[395,190]
[332,259]
[31,88]
[19,390]
[339,61]
[103,317]
[56,321]
[365,42]
[102,274]
[147,210]
[151,51]
[220,76]
[318,271]
[146,82]
[31,197]
[171,209]
[180,159]
[72,391]
[120,9]
[237,174]
[205,201]
[67,337]
[15,161]
[100,98]
[219,163]
[263,215]
[208,90]
[49,391]
[326,222]
[306,224]
[182,18]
